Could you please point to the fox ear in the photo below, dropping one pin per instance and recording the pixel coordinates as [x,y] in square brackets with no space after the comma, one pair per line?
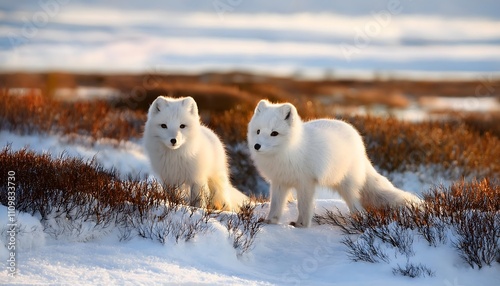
[160,103]
[263,104]
[191,105]
[289,112]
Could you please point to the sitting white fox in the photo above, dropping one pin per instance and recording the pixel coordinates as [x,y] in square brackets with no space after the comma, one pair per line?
[186,154]
[330,153]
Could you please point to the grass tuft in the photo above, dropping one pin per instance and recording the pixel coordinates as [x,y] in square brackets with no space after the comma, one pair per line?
[411,270]
[467,210]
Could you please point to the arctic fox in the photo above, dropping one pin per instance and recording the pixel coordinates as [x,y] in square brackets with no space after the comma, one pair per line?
[330,153]
[186,154]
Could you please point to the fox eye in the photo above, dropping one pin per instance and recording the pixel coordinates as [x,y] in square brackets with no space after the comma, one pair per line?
[274,133]
[258,131]
[164,126]
[182,126]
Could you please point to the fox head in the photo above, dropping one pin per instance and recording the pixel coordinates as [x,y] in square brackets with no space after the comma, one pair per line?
[273,127]
[173,120]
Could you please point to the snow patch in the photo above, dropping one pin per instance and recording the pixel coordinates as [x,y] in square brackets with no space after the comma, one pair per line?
[29,232]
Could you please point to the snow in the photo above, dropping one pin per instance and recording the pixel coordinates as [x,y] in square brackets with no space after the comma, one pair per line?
[127,157]
[469,104]
[282,254]
[86,93]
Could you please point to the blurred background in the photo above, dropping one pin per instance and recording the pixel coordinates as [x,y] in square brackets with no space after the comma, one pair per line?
[393,38]
[398,57]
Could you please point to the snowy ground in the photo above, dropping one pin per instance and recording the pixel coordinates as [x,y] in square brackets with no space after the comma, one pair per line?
[282,255]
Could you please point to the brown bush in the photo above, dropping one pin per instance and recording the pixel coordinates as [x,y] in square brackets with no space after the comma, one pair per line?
[395,145]
[209,97]
[470,210]
[231,125]
[243,227]
[483,123]
[39,114]
[61,186]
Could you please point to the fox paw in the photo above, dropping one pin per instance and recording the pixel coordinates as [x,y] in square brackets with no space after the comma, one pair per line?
[297,224]
[270,220]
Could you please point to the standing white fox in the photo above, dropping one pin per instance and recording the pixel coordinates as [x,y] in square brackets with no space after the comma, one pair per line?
[187,154]
[324,152]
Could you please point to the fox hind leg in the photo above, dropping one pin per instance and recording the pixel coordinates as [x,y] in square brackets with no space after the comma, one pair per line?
[199,193]
[350,191]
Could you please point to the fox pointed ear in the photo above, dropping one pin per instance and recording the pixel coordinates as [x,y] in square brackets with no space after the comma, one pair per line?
[160,103]
[191,105]
[289,112]
[263,104]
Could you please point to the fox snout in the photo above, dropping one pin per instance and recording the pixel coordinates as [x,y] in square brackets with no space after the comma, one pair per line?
[257,146]
[174,143]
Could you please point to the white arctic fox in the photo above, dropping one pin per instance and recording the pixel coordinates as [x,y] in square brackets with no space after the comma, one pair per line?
[187,154]
[330,153]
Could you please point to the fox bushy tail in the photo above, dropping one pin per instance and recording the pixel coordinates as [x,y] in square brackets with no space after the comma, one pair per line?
[380,192]
[237,198]
[225,196]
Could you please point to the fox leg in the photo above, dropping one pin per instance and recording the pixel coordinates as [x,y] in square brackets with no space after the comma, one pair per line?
[305,203]
[279,196]
[198,195]
[351,194]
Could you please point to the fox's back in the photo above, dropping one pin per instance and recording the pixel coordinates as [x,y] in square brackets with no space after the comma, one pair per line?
[332,147]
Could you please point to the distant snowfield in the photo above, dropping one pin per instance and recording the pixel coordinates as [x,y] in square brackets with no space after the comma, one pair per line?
[282,254]
[92,38]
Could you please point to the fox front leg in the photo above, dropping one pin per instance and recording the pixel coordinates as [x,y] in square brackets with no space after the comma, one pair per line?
[279,195]
[305,202]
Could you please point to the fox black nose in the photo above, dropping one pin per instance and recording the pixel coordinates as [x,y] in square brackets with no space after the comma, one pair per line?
[173,141]
[256,146]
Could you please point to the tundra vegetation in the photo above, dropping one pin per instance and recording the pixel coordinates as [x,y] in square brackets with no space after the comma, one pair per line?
[71,195]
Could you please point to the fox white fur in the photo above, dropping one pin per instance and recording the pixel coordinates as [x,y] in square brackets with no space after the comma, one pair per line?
[186,154]
[329,153]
